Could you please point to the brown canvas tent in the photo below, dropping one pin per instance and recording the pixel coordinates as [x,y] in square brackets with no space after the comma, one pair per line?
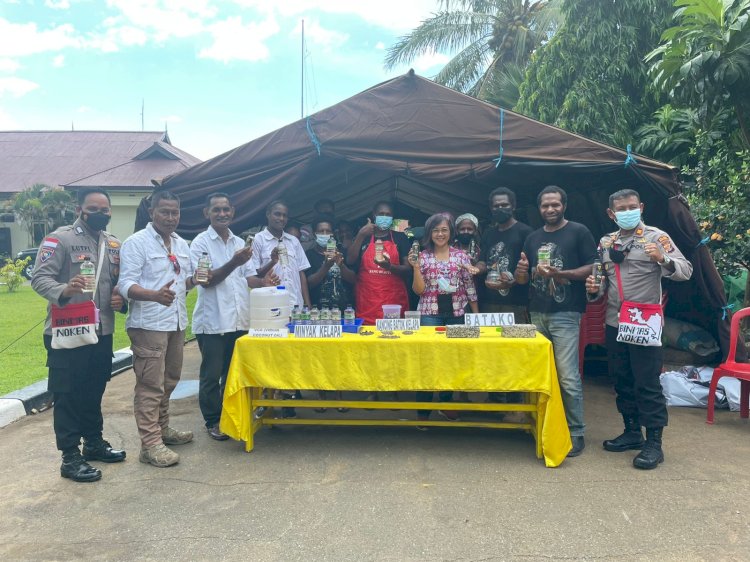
[430,148]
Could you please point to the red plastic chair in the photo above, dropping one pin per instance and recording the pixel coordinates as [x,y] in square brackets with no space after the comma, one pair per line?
[730,368]
[592,330]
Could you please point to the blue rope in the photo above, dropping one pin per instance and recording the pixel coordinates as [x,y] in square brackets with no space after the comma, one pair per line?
[500,151]
[313,137]
[630,159]
[725,309]
[703,242]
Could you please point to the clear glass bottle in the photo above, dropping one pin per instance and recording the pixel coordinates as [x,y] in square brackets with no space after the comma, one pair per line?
[305,315]
[543,255]
[296,315]
[314,315]
[325,315]
[204,266]
[335,315]
[349,315]
[378,250]
[283,254]
[88,272]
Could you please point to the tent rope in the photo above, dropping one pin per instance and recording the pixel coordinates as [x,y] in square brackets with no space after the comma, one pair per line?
[703,242]
[500,150]
[726,308]
[630,159]
[312,135]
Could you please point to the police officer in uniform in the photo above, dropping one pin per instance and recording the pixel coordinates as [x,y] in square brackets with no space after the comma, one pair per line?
[644,254]
[78,377]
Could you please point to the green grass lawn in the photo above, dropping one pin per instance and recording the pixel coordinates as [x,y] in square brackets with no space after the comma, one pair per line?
[23,363]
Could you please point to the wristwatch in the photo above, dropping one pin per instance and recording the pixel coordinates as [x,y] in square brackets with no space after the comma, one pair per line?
[665,260]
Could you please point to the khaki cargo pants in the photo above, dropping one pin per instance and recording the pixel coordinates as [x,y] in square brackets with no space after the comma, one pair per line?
[157,362]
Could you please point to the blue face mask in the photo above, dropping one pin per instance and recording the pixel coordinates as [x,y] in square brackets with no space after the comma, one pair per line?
[383,222]
[322,239]
[628,220]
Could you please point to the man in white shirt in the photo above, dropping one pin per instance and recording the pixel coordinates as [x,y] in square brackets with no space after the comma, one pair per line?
[222,312]
[266,254]
[155,275]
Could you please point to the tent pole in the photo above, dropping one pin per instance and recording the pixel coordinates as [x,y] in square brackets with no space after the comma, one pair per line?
[302,81]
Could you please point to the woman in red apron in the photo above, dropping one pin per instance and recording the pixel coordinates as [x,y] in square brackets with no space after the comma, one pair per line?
[380,283]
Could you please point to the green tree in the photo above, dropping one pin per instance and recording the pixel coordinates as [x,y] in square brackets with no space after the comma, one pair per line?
[719,196]
[11,273]
[485,35]
[669,136]
[591,78]
[42,205]
[704,59]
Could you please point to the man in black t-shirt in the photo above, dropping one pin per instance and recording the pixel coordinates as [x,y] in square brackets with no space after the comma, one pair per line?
[500,252]
[557,295]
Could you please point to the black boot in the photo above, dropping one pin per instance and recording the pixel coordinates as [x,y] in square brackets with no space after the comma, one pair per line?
[631,438]
[76,468]
[101,450]
[651,454]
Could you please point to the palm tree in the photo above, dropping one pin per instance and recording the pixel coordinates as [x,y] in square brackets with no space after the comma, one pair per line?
[485,35]
[705,58]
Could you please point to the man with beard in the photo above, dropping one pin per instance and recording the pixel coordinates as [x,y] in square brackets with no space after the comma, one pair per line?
[501,251]
[560,255]
[78,376]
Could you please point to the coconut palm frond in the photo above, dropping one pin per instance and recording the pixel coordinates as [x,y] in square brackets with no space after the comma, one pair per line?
[466,68]
[445,32]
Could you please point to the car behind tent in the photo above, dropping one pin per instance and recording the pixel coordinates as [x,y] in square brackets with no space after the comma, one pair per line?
[430,148]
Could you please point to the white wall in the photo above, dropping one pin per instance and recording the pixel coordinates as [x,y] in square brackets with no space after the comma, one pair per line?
[124,207]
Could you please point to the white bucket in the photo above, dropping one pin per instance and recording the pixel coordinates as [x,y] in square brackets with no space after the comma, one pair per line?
[270,307]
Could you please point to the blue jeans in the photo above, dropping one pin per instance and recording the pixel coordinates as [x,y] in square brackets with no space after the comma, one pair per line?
[562,328]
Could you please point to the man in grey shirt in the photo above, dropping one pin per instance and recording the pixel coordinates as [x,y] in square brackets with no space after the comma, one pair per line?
[78,376]
[640,256]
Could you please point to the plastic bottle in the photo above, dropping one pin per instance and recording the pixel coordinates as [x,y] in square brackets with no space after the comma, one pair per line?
[88,272]
[335,315]
[305,315]
[314,315]
[204,266]
[378,250]
[325,315]
[331,247]
[349,315]
[296,315]
[283,254]
[597,271]
[543,255]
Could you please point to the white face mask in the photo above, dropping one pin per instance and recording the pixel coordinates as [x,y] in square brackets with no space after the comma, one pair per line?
[322,239]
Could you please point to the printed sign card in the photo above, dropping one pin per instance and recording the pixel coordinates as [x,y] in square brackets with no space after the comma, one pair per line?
[268,333]
[490,319]
[397,324]
[318,331]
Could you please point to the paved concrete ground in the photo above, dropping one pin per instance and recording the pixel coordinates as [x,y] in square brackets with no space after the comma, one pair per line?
[379,494]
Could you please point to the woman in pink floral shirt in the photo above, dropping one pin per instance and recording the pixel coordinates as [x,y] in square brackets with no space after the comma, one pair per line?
[443,279]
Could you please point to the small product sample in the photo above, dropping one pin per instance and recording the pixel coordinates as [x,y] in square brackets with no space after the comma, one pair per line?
[519,331]
[461,331]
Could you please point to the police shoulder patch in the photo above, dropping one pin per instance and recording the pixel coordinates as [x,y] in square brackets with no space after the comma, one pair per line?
[666,243]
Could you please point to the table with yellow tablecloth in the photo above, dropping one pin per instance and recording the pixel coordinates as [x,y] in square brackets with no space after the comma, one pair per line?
[425,360]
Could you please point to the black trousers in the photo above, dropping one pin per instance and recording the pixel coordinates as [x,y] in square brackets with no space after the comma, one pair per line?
[77,380]
[216,355]
[636,370]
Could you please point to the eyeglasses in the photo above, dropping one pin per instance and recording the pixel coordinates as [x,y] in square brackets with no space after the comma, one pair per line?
[175,264]
[618,254]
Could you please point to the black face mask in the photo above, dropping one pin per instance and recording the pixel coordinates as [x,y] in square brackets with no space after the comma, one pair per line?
[617,255]
[96,221]
[501,215]
[464,238]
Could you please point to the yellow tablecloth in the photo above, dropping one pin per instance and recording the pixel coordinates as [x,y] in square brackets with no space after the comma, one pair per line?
[425,360]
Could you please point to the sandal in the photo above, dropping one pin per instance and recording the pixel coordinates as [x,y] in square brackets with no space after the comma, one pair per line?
[342,410]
